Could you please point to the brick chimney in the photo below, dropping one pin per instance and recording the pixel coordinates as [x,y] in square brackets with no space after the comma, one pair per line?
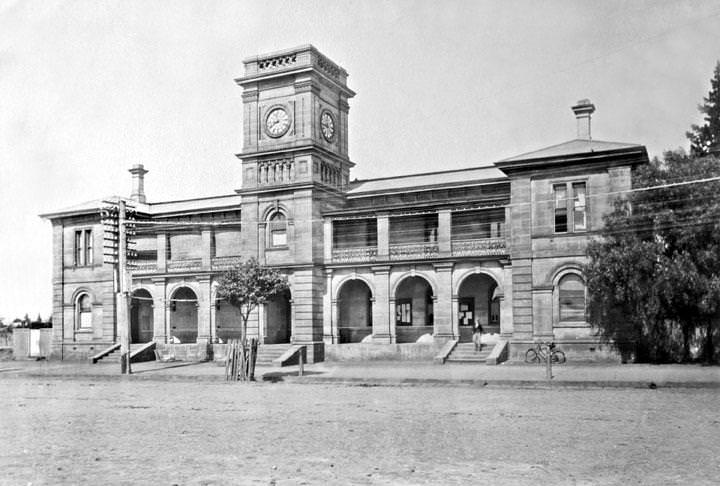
[583,111]
[138,183]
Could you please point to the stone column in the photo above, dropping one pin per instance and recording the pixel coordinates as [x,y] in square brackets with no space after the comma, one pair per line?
[383,323]
[383,237]
[261,242]
[506,307]
[444,233]
[443,301]
[204,303]
[292,320]
[159,311]
[455,317]
[327,240]
[213,315]
[328,304]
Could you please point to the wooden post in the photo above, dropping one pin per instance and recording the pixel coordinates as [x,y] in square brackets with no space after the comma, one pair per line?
[548,367]
[123,300]
[301,362]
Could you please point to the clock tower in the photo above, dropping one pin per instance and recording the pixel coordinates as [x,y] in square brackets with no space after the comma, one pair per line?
[295,110]
[295,166]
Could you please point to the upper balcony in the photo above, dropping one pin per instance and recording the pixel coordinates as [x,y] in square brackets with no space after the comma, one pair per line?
[442,234]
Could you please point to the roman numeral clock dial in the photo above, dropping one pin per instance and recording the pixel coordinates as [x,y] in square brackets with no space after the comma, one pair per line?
[327,125]
[277,122]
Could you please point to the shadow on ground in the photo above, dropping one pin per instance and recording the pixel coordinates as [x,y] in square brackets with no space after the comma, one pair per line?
[278,376]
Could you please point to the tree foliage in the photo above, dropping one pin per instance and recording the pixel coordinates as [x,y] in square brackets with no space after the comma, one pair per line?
[654,275]
[248,285]
[705,139]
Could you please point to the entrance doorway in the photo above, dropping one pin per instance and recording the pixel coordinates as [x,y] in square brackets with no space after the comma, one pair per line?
[414,313]
[278,319]
[354,311]
[477,302]
[184,315]
[141,317]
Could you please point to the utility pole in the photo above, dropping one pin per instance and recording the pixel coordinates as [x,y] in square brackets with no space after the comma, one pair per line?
[119,228]
[123,295]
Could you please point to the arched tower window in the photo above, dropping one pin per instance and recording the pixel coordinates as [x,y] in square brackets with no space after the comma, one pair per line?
[277,229]
[83,312]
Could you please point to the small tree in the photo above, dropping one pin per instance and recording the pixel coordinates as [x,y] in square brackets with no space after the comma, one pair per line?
[247,286]
[705,139]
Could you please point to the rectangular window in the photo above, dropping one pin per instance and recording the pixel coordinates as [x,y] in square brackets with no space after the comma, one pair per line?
[86,319]
[83,248]
[279,237]
[570,207]
[561,217]
[403,312]
[579,212]
[88,248]
[78,249]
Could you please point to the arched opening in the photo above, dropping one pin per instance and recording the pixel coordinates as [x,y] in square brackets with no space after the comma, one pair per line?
[277,230]
[414,313]
[571,299]
[277,319]
[478,302]
[83,312]
[228,323]
[184,315]
[354,311]
[141,316]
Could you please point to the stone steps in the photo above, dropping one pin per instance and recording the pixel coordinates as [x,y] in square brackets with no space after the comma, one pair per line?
[465,353]
[269,352]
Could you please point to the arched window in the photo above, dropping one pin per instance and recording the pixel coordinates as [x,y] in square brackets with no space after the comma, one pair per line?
[571,298]
[83,312]
[277,230]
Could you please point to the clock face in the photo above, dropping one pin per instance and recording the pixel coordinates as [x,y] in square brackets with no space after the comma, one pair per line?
[277,122]
[327,125]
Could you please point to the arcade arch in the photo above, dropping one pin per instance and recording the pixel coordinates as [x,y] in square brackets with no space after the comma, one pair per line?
[414,309]
[184,315]
[141,316]
[478,302]
[354,303]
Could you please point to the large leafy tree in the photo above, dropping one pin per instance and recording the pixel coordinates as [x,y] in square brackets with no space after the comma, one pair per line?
[247,286]
[654,275]
[705,138]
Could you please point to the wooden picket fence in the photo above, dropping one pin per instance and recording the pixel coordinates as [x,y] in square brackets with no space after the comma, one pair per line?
[240,360]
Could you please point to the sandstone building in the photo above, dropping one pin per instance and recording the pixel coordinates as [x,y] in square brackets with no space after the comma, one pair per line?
[390,267]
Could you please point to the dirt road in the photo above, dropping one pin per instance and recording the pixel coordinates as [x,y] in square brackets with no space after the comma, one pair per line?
[109,432]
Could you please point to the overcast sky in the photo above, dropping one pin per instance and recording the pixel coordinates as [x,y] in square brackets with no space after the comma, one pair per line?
[88,88]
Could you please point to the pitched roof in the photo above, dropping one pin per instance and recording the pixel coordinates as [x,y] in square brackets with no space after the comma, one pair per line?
[187,205]
[427,180]
[572,147]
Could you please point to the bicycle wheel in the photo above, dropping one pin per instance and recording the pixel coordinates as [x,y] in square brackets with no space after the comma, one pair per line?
[531,356]
[558,357]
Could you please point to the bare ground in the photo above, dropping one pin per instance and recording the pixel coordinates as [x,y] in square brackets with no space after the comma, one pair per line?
[121,432]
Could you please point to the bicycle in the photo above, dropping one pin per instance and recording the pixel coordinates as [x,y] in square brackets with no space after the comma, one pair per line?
[538,354]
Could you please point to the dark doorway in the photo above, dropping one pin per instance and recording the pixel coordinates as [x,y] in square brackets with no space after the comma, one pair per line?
[184,315]
[141,317]
[278,319]
[477,302]
[414,313]
[354,311]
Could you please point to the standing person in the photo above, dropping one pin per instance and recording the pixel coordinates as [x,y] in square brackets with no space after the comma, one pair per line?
[477,335]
